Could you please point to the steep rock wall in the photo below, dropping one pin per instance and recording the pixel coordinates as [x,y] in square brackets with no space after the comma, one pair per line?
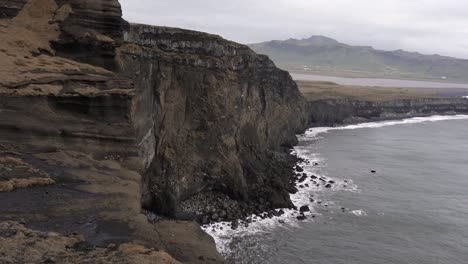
[214,116]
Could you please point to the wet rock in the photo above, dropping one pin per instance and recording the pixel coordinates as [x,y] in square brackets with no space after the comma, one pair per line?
[331,182]
[328,186]
[304,208]
[301,217]
[234,224]
[292,189]
[373,171]
[270,214]
[302,179]
[299,168]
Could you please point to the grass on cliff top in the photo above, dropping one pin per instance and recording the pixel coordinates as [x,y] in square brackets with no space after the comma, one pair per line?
[319,90]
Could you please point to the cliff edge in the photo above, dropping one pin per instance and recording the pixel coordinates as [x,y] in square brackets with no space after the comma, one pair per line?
[106,125]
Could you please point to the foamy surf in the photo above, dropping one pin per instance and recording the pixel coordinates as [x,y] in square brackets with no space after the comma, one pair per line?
[308,195]
[314,132]
[359,213]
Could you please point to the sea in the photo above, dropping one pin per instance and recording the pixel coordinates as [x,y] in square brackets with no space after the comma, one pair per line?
[399,195]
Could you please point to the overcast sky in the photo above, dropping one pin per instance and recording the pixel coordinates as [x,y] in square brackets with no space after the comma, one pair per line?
[427,26]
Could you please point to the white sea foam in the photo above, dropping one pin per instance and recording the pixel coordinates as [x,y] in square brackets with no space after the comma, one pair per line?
[466,97]
[307,195]
[359,213]
[314,132]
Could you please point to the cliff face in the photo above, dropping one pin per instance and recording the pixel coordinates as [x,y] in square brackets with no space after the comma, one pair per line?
[345,111]
[120,116]
[215,115]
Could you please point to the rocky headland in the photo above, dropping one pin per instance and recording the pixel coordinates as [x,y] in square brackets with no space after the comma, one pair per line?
[109,130]
[117,138]
[330,104]
[344,111]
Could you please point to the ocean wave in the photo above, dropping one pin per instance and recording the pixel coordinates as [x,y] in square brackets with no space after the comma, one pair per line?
[314,132]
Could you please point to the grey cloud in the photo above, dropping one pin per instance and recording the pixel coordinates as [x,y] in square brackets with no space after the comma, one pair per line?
[427,26]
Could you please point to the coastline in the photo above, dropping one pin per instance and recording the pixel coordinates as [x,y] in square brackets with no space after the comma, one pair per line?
[310,183]
[344,111]
[149,130]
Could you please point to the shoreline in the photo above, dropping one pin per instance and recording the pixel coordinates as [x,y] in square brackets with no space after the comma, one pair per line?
[308,195]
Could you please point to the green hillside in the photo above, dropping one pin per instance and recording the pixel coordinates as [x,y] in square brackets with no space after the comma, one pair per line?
[322,55]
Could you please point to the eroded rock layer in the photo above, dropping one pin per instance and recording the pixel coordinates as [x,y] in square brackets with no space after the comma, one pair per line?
[89,30]
[10,8]
[103,16]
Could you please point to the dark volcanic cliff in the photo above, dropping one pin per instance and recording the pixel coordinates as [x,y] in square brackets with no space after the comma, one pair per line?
[216,116]
[118,116]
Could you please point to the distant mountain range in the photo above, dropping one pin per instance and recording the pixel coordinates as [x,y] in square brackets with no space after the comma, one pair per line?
[323,55]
